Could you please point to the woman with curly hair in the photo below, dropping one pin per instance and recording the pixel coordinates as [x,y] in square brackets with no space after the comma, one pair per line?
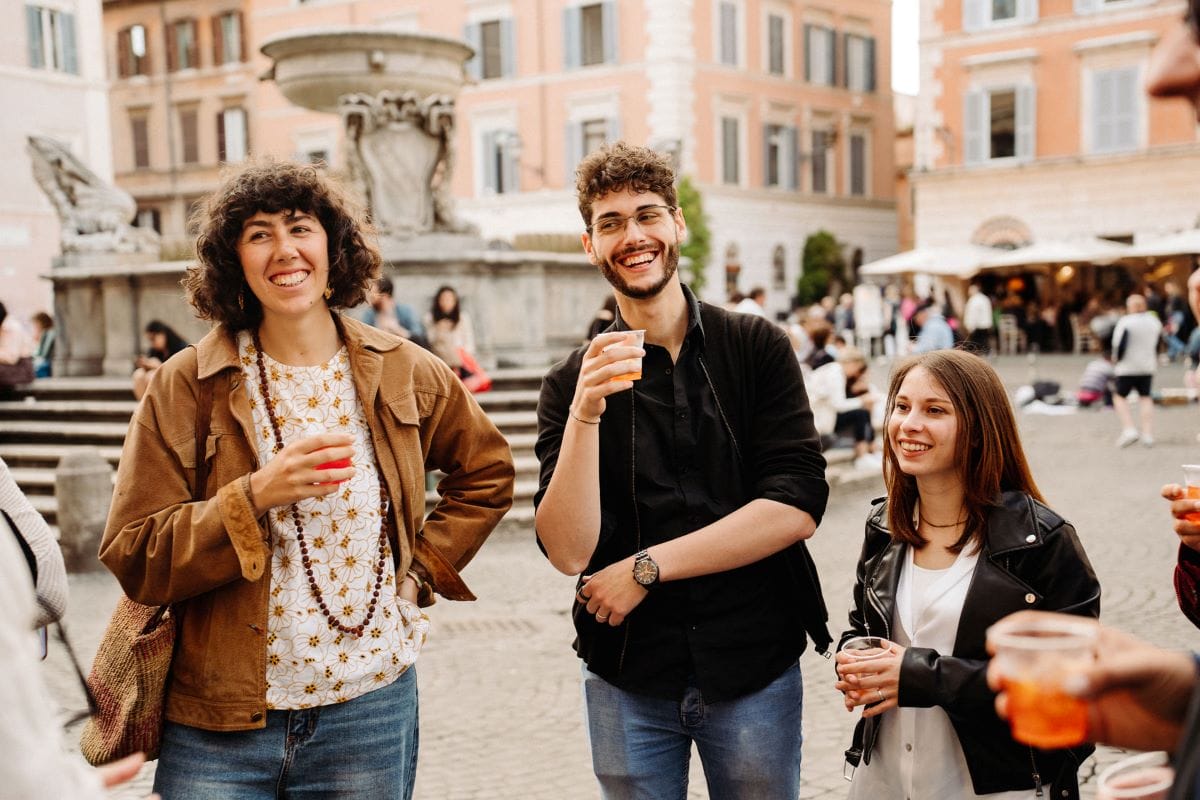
[297,579]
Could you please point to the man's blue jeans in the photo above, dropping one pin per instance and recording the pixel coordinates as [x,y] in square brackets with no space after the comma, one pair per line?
[364,748]
[749,747]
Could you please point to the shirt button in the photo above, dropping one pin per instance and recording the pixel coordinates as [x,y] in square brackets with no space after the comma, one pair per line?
[668,370]
[1031,538]
[908,747]
[683,415]
[1029,598]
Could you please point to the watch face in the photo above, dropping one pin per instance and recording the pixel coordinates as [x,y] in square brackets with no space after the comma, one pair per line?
[645,571]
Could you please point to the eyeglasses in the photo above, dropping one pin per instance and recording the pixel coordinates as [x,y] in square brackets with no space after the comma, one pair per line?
[646,217]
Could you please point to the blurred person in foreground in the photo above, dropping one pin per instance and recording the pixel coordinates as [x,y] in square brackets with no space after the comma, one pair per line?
[296,581]
[963,538]
[164,342]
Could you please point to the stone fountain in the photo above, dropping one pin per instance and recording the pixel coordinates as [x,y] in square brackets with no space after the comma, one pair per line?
[395,93]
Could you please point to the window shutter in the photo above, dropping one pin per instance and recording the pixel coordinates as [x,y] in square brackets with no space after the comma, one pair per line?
[193,45]
[70,56]
[1088,6]
[218,37]
[222,156]
[973,14]
[172,47]
[974,142]
[613,129]
[33,32]
[510,170]
[808,53]
[491,172]
[473,33]
[1102,104]
[124,53]
[1026,123]
[728,54]
[831,38]
[766,155]
[791,146]
[1027,11]
[870,55]
[1125,90]
[241,32]
[574,150]
[611,31]
[572,54]
[508,48]
[845,60]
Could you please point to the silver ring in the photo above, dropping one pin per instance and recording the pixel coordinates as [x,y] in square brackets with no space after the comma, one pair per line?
[882,696]
[601,618]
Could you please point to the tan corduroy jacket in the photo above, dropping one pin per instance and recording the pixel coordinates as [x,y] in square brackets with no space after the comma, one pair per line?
[212,558]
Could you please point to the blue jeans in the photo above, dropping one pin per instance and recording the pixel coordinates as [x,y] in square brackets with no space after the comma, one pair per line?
[365,748]
[749,747]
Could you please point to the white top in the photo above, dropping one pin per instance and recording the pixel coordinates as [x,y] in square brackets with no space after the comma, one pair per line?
[1140,332]
[749,305]
[826,387]
[977,315]
[310,663]
[52,572]
[917,751]
[35,764]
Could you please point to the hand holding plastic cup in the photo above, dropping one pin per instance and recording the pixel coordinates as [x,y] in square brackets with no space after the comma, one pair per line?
[1191,488]
[337,463]
[1036,659]
[632,339]
[865,648]
[1147,776]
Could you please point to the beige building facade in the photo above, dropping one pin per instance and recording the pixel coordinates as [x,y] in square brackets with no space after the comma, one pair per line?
[52,83]
[1033,124]
[780,111]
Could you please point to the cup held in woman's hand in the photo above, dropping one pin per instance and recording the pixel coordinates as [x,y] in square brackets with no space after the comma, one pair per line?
[1035,660]
[632,339]
[864,648]
[337,463]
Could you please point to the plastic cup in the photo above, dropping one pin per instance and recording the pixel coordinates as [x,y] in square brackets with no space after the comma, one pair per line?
[1035,659]
[865,648]
[337,463]
[1191,486]
[1147,776]
[632,339]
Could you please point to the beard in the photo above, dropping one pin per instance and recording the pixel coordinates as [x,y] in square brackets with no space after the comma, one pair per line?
[612,274]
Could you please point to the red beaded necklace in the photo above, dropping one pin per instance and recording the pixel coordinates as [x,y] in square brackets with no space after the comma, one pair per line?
[354,630]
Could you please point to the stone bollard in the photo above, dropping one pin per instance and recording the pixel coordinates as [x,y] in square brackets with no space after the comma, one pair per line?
[83,486]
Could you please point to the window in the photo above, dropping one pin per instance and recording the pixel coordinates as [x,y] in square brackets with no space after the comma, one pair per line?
[228,45]
[730,150]
[858,165]
[821,145]
[590,34]
[51,39]
[999,124]
[779,156]
[1116,110]
[820,64]
[776,60]
[779,268]
[149,218]
[501,168]
[139,134]
[859,53]
[728,33]
[131,52]
[495,49]
[586,135]
[189,136]
[982,13]
[316,157]
[595,133]
[232,135]
[182,52]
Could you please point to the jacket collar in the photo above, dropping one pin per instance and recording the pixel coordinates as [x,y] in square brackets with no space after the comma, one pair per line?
[1012,523]
[218,349]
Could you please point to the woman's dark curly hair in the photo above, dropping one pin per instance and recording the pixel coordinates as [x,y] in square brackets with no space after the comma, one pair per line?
[216,286]
[618,167]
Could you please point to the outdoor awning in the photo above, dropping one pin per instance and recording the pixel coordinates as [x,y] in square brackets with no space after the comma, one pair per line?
[960,261]
[1083,250]
[1175,244]
[965,261]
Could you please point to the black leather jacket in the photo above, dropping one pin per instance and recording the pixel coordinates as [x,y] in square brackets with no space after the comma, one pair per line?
[1031,559]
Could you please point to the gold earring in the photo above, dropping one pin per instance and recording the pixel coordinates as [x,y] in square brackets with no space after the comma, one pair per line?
[328,292]
[242,300]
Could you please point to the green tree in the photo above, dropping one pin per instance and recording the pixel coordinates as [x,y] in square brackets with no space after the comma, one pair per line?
[698,246]
[823,266]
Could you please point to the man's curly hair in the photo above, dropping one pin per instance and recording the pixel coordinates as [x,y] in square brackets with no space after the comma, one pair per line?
[216,286]
[620,166]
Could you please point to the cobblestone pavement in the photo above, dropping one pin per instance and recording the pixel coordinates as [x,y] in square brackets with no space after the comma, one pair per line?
[499,685]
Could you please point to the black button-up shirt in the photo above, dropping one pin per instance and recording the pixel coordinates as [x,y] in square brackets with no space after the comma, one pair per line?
[729,633]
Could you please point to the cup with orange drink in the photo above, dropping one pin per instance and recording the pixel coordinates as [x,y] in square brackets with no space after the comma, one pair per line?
[1147,776]
[632,339]
[1191,488]
[1036,660]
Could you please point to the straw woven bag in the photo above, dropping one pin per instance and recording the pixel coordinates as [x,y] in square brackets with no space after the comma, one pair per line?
[129,673]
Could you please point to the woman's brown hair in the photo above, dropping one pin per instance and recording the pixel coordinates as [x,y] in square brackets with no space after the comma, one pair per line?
[989,453]
[216,286]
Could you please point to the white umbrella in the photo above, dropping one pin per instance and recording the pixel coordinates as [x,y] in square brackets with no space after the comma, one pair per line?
[960,261]
[1079,250]
[1176,244]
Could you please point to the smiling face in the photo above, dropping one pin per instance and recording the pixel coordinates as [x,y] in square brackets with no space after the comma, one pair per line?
[285,260]
[638,262]
[922,429]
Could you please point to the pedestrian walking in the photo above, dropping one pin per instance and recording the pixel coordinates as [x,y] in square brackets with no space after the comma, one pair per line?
[935,331]
[682,499]
[296,581]
[962,538]
[978,320]
[1135,344]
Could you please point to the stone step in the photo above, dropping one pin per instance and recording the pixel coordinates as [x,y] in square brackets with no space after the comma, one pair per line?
[47,455]
[55,432]
[72,410]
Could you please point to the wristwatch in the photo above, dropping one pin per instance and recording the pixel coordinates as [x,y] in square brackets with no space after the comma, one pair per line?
[645,569]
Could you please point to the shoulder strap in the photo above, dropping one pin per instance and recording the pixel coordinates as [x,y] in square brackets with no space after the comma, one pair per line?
[203,412]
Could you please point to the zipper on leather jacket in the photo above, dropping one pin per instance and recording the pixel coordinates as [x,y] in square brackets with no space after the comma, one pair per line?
[1037,778]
